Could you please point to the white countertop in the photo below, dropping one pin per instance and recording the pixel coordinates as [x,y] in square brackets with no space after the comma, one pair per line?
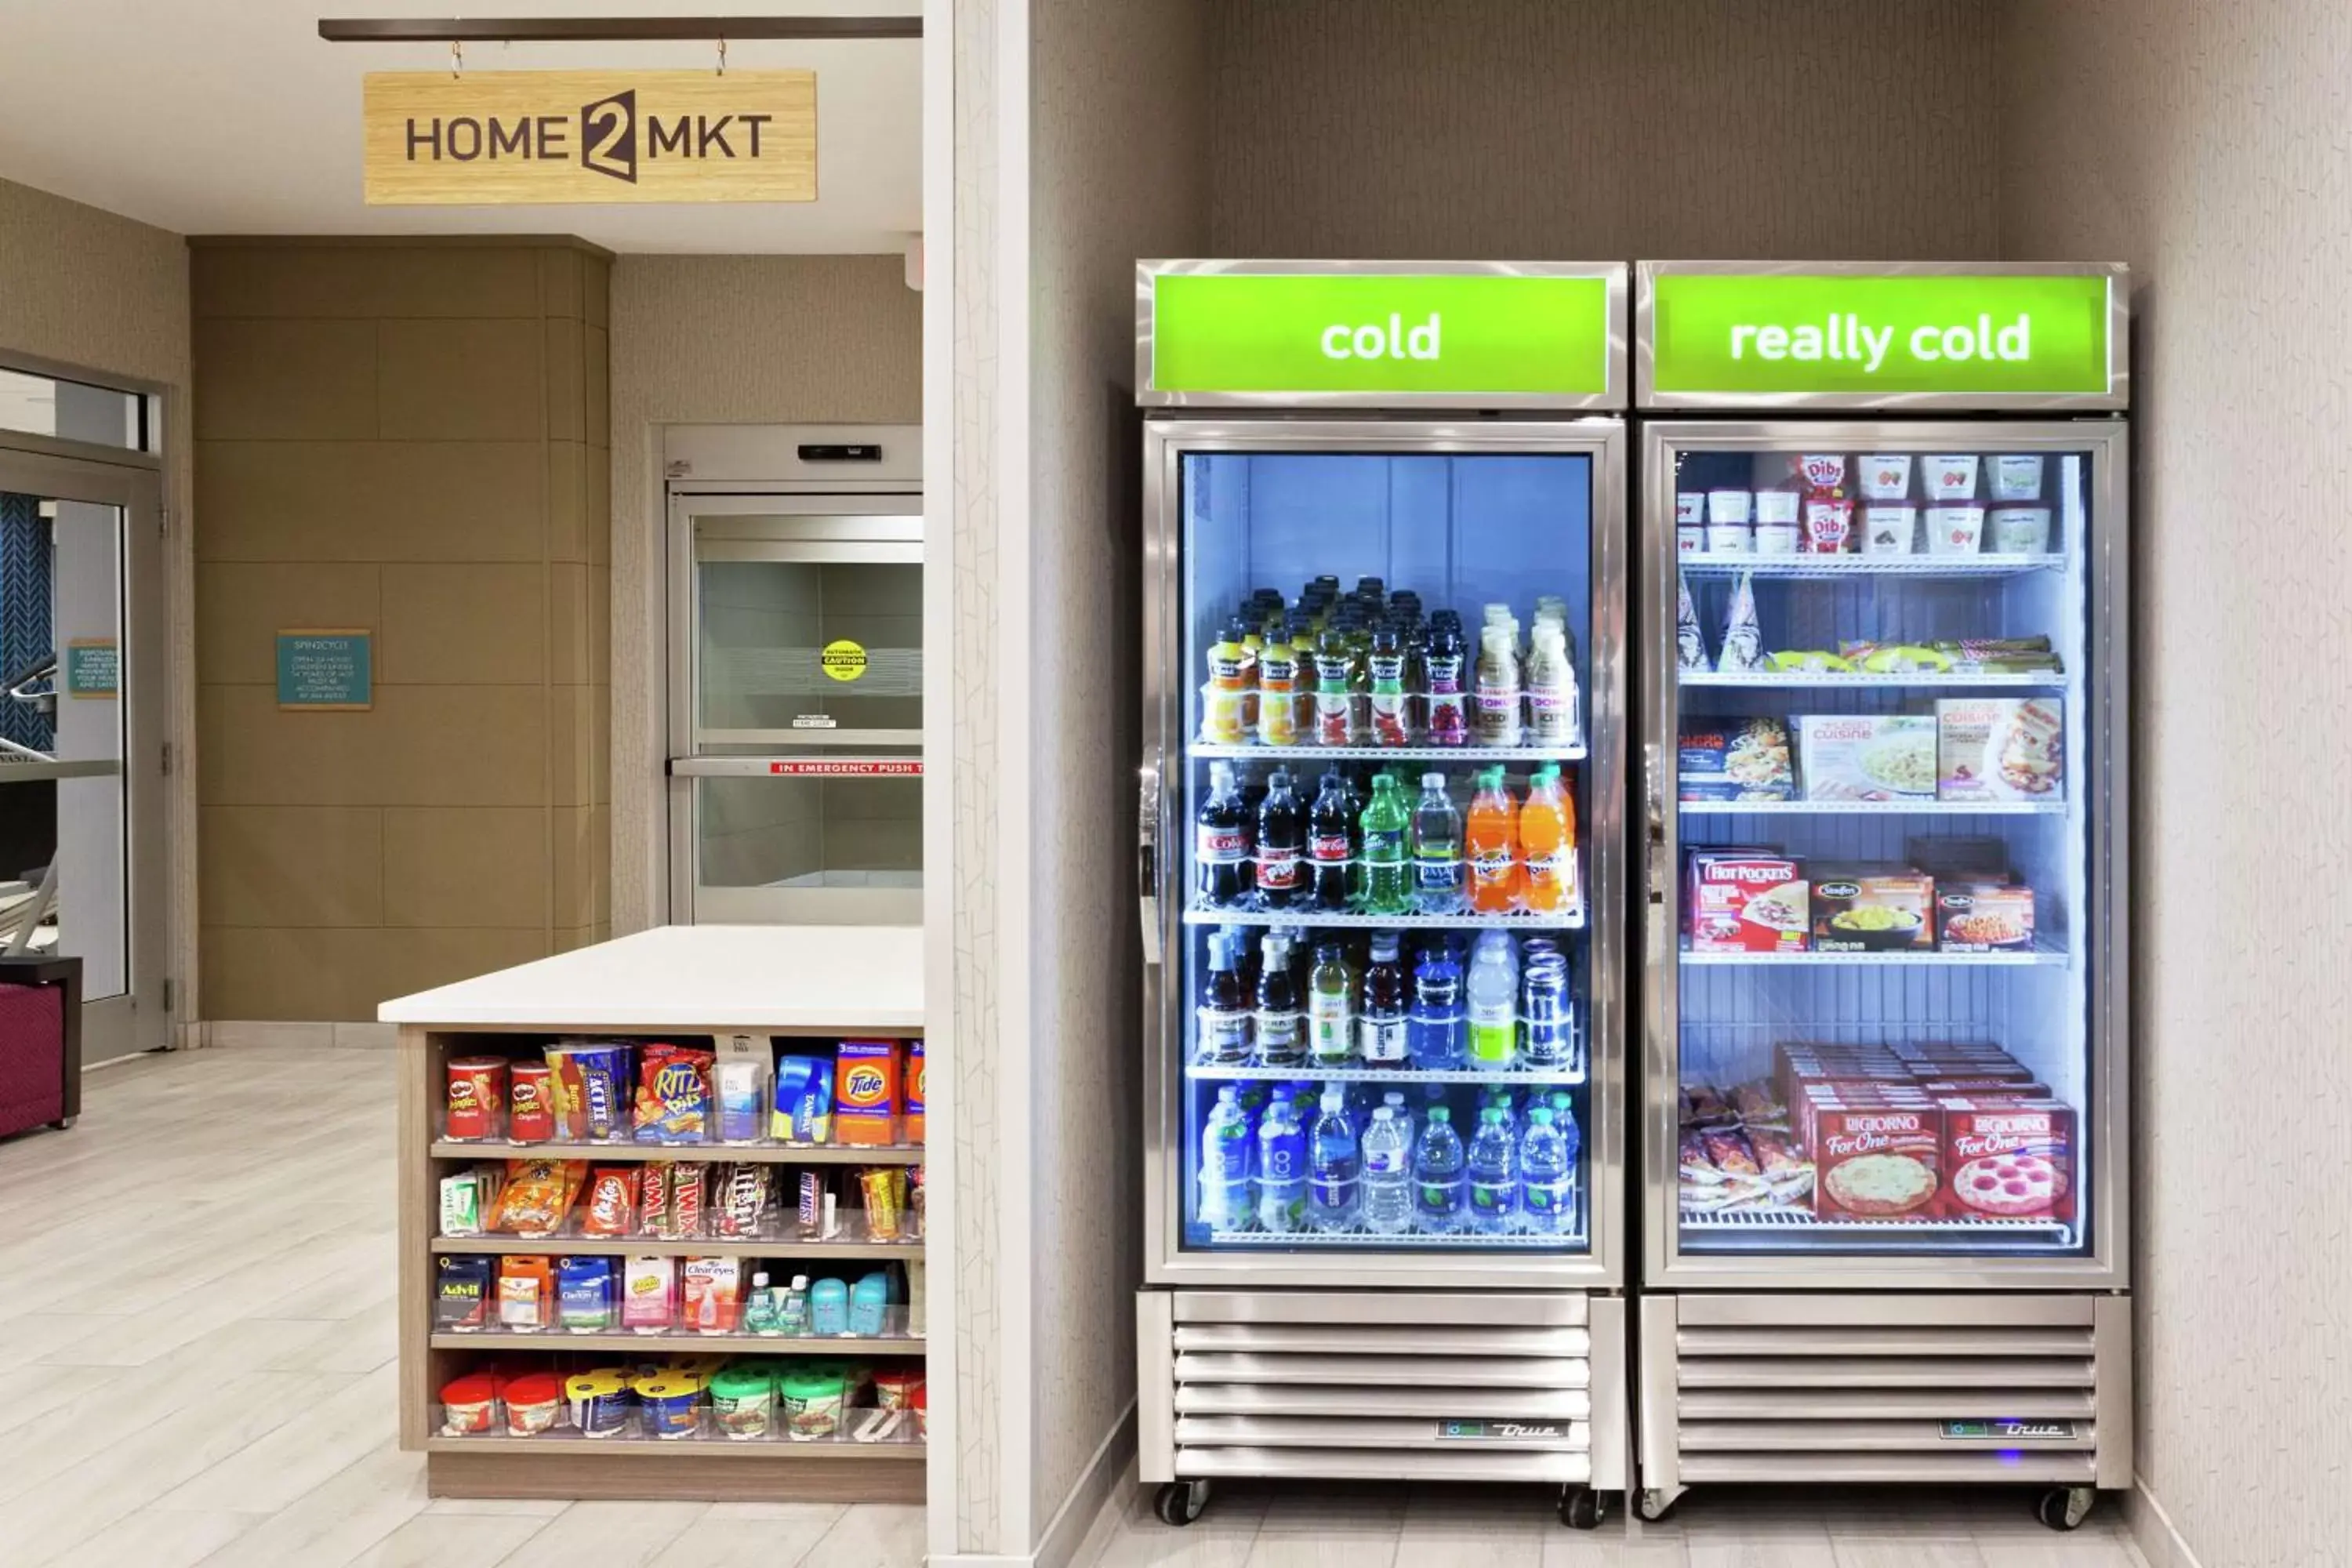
[685,977]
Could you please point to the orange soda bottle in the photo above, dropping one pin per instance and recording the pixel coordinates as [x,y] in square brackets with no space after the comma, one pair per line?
[1491,839]
[1548,841]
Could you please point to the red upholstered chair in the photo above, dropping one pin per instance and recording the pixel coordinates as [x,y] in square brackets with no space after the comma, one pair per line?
[40,1043]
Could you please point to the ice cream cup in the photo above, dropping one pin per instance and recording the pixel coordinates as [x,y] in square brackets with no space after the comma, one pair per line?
[1728,506]
[1955,529]
[1689,538]
[1690,508]
[2016,476]
[1951,478]
[1775,509]
[1775,538]
[1889,530]
[1730,539]
[1829,525]
[1886,476]
[2021,529]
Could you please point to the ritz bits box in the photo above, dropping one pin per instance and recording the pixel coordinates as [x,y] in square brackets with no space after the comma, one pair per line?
[865,1078]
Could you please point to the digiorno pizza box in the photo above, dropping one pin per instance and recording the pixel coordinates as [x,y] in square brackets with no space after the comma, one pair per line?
[2010,1157]
[1877,1162]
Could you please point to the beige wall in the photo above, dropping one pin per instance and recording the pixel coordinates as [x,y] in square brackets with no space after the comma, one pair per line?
[1603,130]
[2205,145]
[85,289]
[402,436]
[723,340]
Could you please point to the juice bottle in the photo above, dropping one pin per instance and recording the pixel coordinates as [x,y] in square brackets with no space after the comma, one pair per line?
[1277,685]
[1548,840]
[1222,700]
[1334,722]
[1442,659]
[1552,718]
[1384,659]
[1496,709]
[1493,841]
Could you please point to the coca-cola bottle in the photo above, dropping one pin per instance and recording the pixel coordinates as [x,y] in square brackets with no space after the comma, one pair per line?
[1330,843]
[1221,844]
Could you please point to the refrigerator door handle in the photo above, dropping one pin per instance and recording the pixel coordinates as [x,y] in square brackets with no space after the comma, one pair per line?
[1147,853]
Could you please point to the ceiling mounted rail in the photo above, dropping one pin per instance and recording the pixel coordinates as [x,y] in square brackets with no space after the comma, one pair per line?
[607,29]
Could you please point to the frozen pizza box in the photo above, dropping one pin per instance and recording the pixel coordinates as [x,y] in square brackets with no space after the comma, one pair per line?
[1865,756]
[1745,900]
[1877,1162]
[2001,748]
[2008,1157]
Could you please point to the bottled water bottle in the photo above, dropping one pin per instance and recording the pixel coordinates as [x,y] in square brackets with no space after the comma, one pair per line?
[1227,1194]
[1547,1177]
[1434,1030]
[1394,1100]
[1331,1186]
[1281,1168]
[1437,1196]
[1387,1176]
[1493,1175]
[1494,991]
[1437,869]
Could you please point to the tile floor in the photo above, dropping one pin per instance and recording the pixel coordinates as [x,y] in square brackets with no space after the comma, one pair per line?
[196,1300]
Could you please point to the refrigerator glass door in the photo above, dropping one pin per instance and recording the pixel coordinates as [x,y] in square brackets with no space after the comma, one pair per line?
[1380,979]
[1882,697]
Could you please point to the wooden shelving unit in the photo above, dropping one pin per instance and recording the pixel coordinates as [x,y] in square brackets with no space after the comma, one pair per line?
[565,1464]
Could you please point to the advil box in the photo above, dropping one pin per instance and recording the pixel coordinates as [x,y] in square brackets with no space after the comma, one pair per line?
[866,1092]
[914,1096]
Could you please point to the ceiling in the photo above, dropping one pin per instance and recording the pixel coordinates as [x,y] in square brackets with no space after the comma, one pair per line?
[234,116]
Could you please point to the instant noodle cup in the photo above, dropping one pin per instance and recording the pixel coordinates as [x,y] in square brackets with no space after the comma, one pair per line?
[1889,530]
[896,1388]
[2021,529]
[1728,506]
[470,1405]
[1886,476]
[921,1400]
[672,1402]
[1775,509]
[2016,476]
[534,1404]
[811,1398]
[1952,478]
[1955,529]
[599,1402]
[743,1401]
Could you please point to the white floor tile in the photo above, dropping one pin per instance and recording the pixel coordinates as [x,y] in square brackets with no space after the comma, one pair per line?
[152,1538]
[871,1535]
[450,1540]
[606,1536]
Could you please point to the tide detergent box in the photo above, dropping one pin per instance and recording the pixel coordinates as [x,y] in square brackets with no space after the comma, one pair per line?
[867,1074]
[914,1093]
[804,1113]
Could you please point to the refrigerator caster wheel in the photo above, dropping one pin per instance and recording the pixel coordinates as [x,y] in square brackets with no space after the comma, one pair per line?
[1654,1504]
[1580,1508]
[1180,1502]
[2064,1508]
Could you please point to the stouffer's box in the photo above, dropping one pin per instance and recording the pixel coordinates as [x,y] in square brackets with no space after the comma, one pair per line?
[1746,901]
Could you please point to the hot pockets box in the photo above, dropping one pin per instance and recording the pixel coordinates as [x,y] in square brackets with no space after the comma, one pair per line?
[866,1090]
[1746,901]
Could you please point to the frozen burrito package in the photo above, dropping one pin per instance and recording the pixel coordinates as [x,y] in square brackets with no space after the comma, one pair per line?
[1743,640]
[1690,644]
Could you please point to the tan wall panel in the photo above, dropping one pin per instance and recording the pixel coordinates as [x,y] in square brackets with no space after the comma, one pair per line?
[462,381]
[286,381]
[578,729]
[389,501]
[314,973]
[241,606]
[570,644]
[580,864]
[477,865]
[565,351]
[568,529]
[559,283]
[469,625]
[292,866]
[366,281]
[421,745]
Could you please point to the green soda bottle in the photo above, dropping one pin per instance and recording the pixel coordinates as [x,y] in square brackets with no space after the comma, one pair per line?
[1387,882]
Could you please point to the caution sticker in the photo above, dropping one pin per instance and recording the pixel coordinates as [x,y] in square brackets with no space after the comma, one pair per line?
[843,659]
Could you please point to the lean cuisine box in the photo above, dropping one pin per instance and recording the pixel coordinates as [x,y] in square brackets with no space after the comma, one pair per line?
[2000,748]
[1867,756]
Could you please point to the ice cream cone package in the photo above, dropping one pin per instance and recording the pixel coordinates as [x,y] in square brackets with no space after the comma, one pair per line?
[1690,644]
[1743,638]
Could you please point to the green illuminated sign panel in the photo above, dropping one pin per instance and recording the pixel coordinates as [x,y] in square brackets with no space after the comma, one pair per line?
[1369,333]
[1779,334]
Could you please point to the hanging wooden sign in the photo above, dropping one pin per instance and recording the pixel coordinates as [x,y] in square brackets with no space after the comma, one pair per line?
[494,138]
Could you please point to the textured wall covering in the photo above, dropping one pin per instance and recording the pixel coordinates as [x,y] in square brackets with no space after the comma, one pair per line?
[1603,129]
[85,288]
[2207,146]
[1116,172]
[723,340]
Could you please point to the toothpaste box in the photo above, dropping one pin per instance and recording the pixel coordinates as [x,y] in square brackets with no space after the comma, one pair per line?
[804,1113]
[866,1075]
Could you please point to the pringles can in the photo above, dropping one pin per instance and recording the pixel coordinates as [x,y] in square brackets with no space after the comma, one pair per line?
[478,1097]
[531,1102]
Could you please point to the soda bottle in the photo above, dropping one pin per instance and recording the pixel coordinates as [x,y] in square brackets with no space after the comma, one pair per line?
[1381,1026]
[1281,859]
[1330,1009]
[1548,841]
[1222,842]
[1434,1031]
[1496,709]
[1437,1165]
[1388,1202]
[1338,1163]
[1442,658]
[1493,839]
[1552,716]
[1277,686]
[1547,1011]
[1385,663]
[1280,1023]
[1281,1167]
[1223,1037]
[1330,844]
[1436,849]
[1385,891]
[1227,1194]
[1231,674]
[1494,995]
[1547,1175]
[1493,1175]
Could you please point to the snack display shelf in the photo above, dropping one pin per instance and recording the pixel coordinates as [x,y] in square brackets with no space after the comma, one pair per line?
[1246,1072]
[1776,680]
[2004,958]
[705,1443]
[754,1153]
[684,1340]
[1785,1220]
[1515,919]
[1872,807]
[1223,750]
[1981,565]
[703,1246]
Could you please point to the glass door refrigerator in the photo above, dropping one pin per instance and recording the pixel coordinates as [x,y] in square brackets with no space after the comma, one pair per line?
[1380,875]
[1883,1137]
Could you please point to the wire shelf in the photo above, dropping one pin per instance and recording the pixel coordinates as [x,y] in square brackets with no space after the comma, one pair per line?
[1776,680]
[1787,1220]
[1515,919]
[2005,959]
[1708,563]
[1218,749]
